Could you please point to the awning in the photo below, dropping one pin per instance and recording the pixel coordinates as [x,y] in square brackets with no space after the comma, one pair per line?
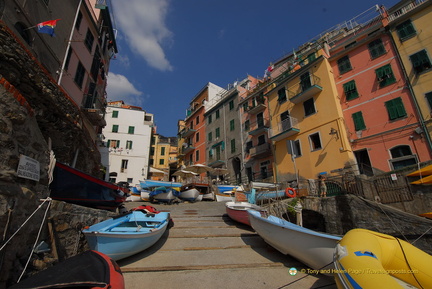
[423,181]
[156,171]
[426,171]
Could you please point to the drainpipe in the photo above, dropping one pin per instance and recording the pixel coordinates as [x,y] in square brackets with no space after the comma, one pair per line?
[405,74]
[69,44]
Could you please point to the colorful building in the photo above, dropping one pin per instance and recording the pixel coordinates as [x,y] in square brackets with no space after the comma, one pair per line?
[409,25]
[379,112]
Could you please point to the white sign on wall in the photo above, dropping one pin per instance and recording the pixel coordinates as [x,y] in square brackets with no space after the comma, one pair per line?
[28,168]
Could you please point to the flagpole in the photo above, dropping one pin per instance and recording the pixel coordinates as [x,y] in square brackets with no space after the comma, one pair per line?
[69,43]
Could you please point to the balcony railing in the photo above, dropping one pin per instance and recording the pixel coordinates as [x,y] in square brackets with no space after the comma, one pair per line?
[405,9]
[284,129]
[261,150]
[304,89]
[187,148]
[259,126]
[187,132]
[94,109]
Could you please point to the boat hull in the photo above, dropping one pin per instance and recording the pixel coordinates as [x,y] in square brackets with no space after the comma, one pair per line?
[189,195]
[238,211]
[225,193]
[382,261]
[90,269]
[125,236]
[312,248]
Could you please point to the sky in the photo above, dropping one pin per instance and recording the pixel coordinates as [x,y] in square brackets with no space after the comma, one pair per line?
[168,50]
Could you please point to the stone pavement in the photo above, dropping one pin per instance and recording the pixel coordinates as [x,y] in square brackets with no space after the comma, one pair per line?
[206,249]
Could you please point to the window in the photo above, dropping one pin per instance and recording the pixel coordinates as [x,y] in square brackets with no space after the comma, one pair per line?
[245,106]
[376,48]
[350,90]
[405,30]
[217,133]
[115,114]
[344,64]
[297,148]
[261,139]
[128,144]
[260,120]
[420,61]
[402,156]
[89,40]
[124,166]
[429,99]
[131,130]
[249,145]
[285,120]
[359,123]
[115,128]
[209,119]
[79,75]
[161,161]
[395,108]
[232,125]
[231,105]
[217,114]
[309,107]
[282,96]
[197,137]
[247,125]
[162,151]
[196,156]
[197,120]
[112,143]
[305,81]
[78,20]
[315,141]
[385,75]
[210,136]
[233,145]
[210,153]
[152,151]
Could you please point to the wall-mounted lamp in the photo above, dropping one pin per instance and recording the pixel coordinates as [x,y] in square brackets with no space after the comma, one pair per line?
[334,132]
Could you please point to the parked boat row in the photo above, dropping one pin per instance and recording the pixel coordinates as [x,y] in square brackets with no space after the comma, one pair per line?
[359,259]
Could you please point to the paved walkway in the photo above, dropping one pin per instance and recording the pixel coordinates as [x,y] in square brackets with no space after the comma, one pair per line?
[206,249]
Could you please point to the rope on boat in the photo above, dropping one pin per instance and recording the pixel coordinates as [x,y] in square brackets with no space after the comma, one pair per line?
[37,237]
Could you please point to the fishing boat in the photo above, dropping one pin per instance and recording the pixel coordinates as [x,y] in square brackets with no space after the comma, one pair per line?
[189,193]
[148,184]
[90,269]
[225,193]
[128,234]
[135,195]
[74,186]
[205,191]
[368,259]
[164,194]
[238,211]
[312,248]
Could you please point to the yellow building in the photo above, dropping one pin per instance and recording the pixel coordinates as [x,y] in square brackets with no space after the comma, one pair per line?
[411,29]
[163,155]
[307,127]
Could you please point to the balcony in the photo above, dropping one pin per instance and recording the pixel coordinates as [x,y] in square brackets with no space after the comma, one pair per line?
[94,110]
[260,127]
[257,108]
[305,89]
[215,162]
[187,148]
[284,129]
[260,151]
[187,132]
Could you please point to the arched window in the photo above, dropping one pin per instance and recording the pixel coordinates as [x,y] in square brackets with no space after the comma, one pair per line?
[402,156]
[24,32]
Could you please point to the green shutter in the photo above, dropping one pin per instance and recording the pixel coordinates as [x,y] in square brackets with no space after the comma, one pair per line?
[359,123]
[395,108]
[115,114]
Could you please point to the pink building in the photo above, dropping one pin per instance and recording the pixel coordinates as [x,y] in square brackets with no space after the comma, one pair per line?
[380,115]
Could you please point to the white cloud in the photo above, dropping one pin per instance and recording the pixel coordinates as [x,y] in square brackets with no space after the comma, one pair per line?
[120,88]
[142,23]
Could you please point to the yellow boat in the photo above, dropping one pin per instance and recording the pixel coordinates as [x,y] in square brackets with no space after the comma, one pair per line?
[367,259]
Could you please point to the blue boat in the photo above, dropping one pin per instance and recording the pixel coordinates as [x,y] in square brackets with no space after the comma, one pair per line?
[123,236]
[148,184]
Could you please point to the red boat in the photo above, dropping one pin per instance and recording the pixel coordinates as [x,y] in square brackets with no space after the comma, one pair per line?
[238,211]
[91,269]
[74,186]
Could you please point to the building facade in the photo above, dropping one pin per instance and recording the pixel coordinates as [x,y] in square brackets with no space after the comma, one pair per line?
[127,138]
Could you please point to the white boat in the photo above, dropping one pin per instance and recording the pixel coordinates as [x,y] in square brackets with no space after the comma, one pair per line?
[238,211]
[225,193]
[145,195]
[163,194]
[189,193]
[205,192]
[312,248]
